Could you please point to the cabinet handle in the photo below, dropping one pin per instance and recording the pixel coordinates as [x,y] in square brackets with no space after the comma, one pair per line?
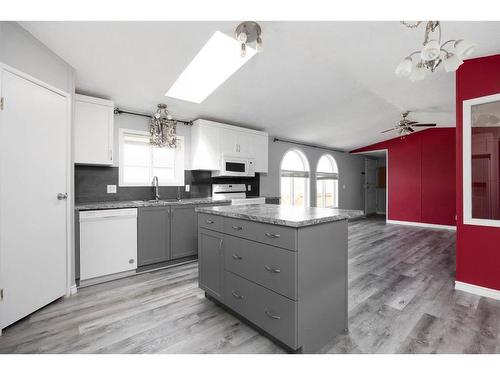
[210,221]
[272,270]
[235,227]
[110,154]
[236,294]
[272,235]
[271,315]
[220,244]
[237,257]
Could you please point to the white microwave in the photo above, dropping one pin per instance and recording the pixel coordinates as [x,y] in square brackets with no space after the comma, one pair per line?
[236,166]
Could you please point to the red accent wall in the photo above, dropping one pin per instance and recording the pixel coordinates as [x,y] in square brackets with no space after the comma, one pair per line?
[478,248]
[421,176]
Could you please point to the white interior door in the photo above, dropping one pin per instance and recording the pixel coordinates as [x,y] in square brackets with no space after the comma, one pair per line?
[370,186]
[33,170]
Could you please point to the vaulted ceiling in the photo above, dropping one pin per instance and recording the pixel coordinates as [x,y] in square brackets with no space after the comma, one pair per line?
[327,83]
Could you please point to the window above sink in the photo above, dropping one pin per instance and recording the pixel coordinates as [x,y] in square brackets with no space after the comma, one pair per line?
[140,161]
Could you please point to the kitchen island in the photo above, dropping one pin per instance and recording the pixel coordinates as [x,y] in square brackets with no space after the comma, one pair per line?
[283,269]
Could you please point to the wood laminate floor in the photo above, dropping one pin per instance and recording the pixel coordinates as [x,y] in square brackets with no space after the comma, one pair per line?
[401,300]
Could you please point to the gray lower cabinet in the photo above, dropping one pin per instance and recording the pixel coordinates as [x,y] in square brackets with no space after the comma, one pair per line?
[290,282]
[153,235]
[184,233]
[211,258]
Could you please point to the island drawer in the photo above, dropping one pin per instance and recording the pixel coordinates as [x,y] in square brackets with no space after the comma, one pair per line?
[275,235]
[272,312]
[269,266]
[213,222]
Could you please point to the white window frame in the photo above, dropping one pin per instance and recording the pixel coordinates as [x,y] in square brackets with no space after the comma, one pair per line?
[331,159]
[467,160]
[306,175]
[179,160]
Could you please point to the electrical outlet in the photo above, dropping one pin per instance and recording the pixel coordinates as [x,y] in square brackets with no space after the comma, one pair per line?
[111,189]
[187,188]
[249,188]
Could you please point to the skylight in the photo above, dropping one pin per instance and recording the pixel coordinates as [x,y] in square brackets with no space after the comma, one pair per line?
[217,61]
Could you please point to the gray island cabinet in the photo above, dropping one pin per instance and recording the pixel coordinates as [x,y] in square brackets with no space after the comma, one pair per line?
[284,269]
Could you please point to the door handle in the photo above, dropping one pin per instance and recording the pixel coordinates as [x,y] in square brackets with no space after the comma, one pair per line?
[62,196]
[272,270]
[272,315]
[236,294]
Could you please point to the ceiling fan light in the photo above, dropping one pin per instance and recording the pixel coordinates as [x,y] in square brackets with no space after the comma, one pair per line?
[404,68]
[418,73]
[464,48]
[430,51]
[452,62]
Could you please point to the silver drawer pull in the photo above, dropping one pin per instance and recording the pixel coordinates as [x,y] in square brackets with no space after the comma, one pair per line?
[210,221]
[273,270]
[272,315]
[235,227]
[236,294]
[272,235]
[237,257]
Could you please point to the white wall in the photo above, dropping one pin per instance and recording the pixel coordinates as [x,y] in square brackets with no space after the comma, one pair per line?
[351,193]
[125,121]
[19,49]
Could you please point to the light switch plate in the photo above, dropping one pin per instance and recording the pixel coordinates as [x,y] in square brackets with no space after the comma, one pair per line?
[249,187]
[187,188]
[111,189]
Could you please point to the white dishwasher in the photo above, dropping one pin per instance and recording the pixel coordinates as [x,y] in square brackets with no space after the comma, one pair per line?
[108,242]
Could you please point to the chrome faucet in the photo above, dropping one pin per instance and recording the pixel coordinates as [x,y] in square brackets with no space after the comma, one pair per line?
[155,186]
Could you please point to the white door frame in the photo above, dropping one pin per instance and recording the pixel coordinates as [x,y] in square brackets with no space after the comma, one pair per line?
[69,164]
[386,151]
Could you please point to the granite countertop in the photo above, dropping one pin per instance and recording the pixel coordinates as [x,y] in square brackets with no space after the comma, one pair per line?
[134,204]
[282,215]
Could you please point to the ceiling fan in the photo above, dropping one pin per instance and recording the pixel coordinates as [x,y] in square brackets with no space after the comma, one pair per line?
[405,126]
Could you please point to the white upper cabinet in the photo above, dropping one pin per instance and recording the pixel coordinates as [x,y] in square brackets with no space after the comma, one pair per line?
[210,140]
[93,130]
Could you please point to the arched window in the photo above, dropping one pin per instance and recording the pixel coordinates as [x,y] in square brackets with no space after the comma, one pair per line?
[294,179]
[327,182]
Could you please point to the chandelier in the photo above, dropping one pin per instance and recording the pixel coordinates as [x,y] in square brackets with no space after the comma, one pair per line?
[162,128]
[247,32]
[433,53]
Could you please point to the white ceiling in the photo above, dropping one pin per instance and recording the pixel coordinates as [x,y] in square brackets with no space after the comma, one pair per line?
[327,83]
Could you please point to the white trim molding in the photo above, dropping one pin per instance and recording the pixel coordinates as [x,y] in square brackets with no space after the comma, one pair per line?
[423,225]
[467,157]
[479,290]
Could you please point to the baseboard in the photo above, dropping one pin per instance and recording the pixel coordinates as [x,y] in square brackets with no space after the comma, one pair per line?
[424,225]
[380,213]
[476,289]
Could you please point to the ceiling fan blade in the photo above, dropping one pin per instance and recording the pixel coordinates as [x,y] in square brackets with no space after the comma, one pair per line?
[388,130]
[424,125]
[411,130]
[412,122]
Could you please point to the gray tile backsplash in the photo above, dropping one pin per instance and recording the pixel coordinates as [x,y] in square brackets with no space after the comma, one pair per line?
[91,185]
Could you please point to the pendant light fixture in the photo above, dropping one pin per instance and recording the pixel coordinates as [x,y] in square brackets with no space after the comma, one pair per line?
[162,128]
[433,53]
[248,32]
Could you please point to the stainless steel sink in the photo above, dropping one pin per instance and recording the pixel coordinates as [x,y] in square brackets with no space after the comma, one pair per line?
[157,201]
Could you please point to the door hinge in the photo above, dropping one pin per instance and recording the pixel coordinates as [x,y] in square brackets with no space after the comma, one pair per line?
[1,104]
